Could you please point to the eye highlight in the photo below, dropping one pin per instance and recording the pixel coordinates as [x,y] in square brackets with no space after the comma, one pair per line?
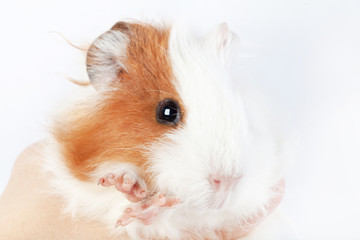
[168,112]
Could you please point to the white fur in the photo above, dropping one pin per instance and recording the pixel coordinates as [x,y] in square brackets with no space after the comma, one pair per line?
[221,135]
[218,137]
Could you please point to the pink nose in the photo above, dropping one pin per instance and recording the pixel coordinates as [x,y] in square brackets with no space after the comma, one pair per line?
[222,186]
[223,183]
[216,181]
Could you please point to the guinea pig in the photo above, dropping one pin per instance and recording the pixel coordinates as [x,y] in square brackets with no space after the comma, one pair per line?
[164,144]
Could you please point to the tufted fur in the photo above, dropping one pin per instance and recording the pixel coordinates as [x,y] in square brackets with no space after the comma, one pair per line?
[129,65]
[134,66]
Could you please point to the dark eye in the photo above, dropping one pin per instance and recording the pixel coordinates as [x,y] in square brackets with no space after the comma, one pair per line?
[168,112]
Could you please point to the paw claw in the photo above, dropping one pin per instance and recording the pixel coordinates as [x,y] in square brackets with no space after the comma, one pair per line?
[147,210]
[100,181]
[124,221]
[126,182]
[128,210]
[142,194]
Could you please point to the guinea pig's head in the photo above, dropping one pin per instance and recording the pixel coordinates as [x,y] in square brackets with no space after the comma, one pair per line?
[223,155]
[166,102]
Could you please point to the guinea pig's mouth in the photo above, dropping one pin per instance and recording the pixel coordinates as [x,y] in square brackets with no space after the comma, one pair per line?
[222,187]
[219,200]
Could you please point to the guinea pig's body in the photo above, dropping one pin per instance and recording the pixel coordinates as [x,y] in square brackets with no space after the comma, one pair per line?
[165,109]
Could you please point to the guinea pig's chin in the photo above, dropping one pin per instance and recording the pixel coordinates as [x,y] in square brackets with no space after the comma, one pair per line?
[219,200]
[215,202]
[238,202]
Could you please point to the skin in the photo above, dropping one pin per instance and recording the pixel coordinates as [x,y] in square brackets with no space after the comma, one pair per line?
[27,212]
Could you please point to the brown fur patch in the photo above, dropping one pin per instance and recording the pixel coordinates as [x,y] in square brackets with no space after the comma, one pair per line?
[117,127]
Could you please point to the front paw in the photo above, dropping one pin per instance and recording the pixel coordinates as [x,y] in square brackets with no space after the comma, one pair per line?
[147,210]
[127,182]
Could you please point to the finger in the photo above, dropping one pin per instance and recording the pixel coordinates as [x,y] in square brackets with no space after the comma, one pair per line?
[140,191]
[171,202]
[132,198]
[127,183]
[158,200]
[126,218]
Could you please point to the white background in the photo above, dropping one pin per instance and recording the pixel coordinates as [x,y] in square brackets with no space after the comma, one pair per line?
[305,54]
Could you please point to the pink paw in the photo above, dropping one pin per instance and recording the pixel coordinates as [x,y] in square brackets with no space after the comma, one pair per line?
[126,182]
[147,210]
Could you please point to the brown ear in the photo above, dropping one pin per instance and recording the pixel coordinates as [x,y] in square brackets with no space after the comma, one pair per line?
[121,26]
[106,55]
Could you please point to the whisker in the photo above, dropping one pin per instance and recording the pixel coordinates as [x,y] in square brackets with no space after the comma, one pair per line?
[83,49]
[161,91]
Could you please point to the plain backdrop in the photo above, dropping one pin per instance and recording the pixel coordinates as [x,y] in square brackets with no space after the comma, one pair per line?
[304,54]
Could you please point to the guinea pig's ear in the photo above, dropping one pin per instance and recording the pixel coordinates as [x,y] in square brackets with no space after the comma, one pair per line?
[106,56]
[226,43]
